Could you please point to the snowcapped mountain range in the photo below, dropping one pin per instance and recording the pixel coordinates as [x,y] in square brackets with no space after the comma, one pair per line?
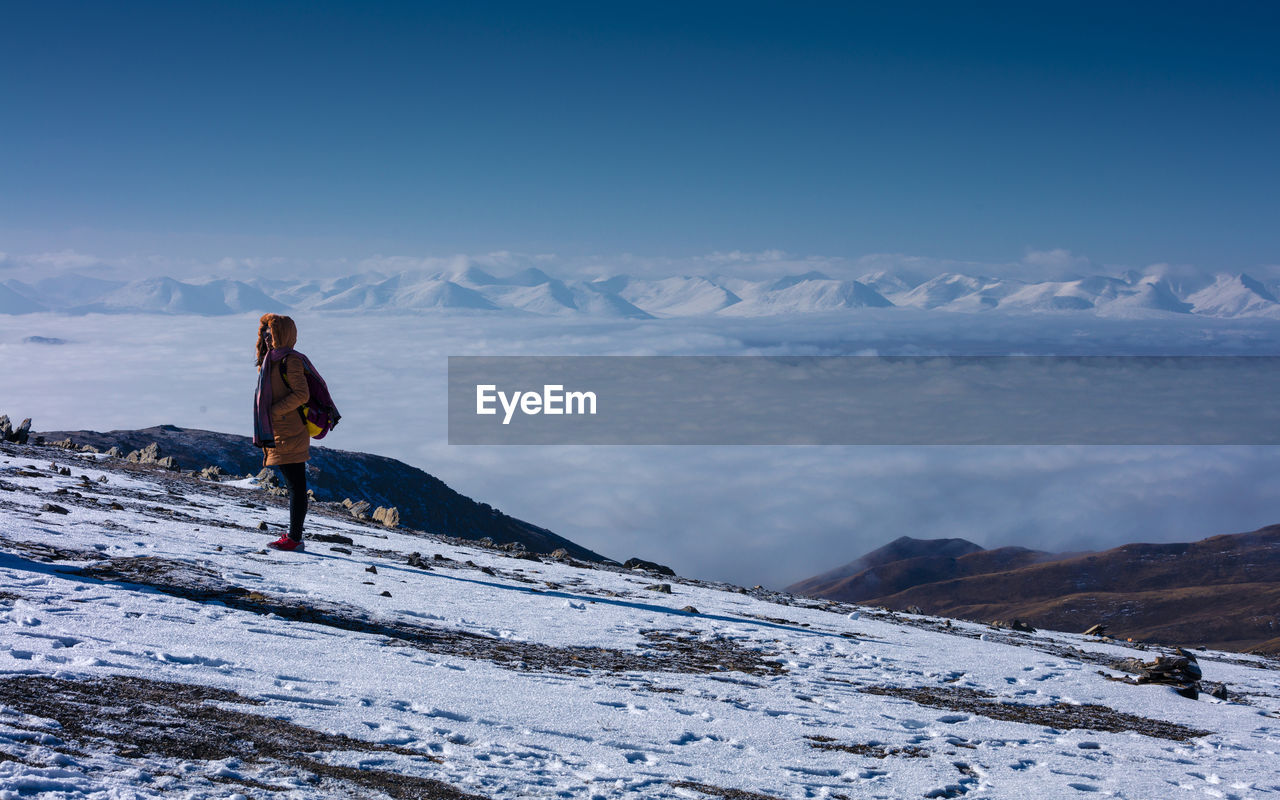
[533,291]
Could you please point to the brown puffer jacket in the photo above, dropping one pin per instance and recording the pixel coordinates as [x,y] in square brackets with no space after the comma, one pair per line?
[293,443]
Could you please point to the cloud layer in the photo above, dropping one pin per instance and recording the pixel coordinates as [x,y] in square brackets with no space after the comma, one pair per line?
[766,515]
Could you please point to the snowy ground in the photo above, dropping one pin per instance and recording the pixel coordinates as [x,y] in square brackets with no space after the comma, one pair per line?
[481,674]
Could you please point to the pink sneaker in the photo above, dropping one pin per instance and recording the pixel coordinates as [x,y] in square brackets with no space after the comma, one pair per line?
[287,544]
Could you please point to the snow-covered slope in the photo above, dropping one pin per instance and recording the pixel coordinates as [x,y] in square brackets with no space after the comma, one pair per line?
[1084,293]
[536,292]
[14,302]
[592,301]
[67,289]
[405,291]
[888,283]
[1234,296]
[942,290]
[151,647]
[310,293]
[1100,293]
[804,294]
[168,296]
[680,296]
[1151,293]
[239,296]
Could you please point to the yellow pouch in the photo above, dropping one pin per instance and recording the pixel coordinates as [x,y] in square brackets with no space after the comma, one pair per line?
[313,429]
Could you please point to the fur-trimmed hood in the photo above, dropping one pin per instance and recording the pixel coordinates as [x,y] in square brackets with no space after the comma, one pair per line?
[284,333]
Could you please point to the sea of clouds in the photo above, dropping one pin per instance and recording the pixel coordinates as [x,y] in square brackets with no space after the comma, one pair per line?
[748,514]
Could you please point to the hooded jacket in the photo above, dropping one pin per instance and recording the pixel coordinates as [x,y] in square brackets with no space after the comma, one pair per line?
[292,442]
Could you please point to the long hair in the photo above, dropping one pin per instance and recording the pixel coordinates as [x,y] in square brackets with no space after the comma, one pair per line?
[263,325]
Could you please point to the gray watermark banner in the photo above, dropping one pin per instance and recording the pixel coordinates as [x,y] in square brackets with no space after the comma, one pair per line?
[882,400]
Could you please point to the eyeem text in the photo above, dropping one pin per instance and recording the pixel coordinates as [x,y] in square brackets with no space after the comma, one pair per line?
[553,399]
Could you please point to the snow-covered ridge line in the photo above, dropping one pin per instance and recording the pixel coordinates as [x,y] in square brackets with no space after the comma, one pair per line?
[533,291]
[395,663]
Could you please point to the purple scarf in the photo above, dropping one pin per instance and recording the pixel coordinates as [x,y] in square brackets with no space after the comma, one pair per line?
[263,436]
[320,402]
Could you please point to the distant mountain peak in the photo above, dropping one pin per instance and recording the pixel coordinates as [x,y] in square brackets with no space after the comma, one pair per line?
[788,281]
[1233,296]
[861,572]
[476,277]
[1256,286]
[910,547]
[531,276]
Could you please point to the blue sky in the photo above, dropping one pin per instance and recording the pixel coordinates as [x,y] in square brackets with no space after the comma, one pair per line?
[1132,133]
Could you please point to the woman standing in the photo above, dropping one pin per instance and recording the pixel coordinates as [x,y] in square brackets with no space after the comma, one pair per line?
[279,428]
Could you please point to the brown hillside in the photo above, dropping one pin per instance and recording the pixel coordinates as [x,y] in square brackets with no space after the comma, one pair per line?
[896,576]
[1223,591]
[1239,616]
[863,575]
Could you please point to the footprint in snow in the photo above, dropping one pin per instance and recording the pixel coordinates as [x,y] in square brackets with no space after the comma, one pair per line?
[56,639]
[284,634]
[440,713]
[300,697]
[296,679]
[191,659]
[629,707]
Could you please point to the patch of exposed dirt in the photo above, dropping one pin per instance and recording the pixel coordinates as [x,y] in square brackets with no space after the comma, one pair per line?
[47,553]
[1057,715]
[719,791]
[872,750]
[134,717]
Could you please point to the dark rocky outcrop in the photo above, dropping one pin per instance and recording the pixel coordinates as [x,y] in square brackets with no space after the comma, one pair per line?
[213,473]
[17,435]
[1013,625]
[648,566]
[1181,671]
[359,509]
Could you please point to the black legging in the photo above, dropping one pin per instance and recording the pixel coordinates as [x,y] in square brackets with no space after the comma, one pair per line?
[296,476]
